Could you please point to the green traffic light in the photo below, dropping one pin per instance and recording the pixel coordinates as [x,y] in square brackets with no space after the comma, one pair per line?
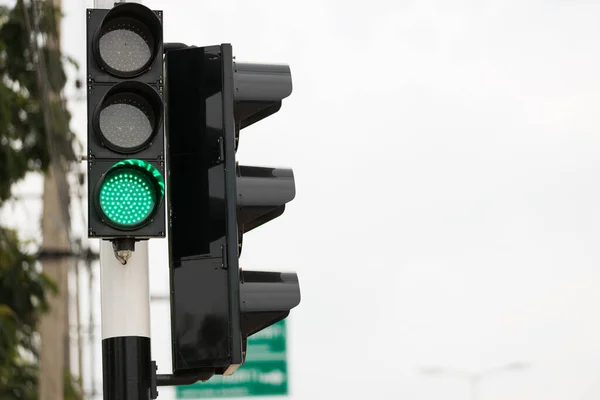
[129,193]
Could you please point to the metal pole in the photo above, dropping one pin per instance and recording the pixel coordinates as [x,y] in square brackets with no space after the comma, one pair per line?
[125,298]
[92,327]
[104,4]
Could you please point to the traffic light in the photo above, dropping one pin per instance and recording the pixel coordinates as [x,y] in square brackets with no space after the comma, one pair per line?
[213,201]
[126,184]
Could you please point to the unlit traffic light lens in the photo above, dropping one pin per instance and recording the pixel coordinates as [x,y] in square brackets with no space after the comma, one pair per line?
[129,193]
[128,40]
[126,48]
[128,117]
[126,124]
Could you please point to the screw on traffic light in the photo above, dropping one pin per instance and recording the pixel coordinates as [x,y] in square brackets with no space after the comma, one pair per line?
[213,201]
[126,185]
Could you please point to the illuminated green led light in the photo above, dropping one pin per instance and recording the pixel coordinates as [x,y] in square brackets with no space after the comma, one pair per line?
[129,193]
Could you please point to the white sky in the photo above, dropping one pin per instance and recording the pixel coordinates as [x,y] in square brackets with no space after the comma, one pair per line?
[446,163]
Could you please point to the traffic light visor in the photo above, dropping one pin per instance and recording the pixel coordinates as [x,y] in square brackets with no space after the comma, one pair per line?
[128,117]
[128,40]
[129,194]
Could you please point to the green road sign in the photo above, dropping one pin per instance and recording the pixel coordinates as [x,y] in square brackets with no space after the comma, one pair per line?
[264,373]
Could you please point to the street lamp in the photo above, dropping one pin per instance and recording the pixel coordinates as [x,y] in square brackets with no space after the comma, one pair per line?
[474,378]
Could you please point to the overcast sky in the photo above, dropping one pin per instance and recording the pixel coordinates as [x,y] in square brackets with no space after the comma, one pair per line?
[447,164]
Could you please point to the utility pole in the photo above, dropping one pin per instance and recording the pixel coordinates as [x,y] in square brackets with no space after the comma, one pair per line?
[54,332]
[53,325]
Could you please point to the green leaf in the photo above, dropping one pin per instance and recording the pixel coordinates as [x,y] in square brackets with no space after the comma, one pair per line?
[6,311]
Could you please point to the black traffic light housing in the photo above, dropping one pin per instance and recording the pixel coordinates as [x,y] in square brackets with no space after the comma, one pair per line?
[125,119]
[215,306]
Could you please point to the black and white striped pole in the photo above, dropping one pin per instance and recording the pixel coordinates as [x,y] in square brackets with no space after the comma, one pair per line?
[126,360]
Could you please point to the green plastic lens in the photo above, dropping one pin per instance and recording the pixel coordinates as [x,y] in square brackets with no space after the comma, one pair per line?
[128,194]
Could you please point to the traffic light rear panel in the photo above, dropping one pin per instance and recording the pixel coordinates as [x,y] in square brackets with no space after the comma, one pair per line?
[202,197]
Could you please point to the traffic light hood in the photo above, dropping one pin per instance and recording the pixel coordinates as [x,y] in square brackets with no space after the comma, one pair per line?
[129,193]
[266,298]
[142,30]
[128,117]
[259,90]
[262,194]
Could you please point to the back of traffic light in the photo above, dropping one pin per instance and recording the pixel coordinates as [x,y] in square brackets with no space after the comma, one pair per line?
[213,201]
[126,185]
